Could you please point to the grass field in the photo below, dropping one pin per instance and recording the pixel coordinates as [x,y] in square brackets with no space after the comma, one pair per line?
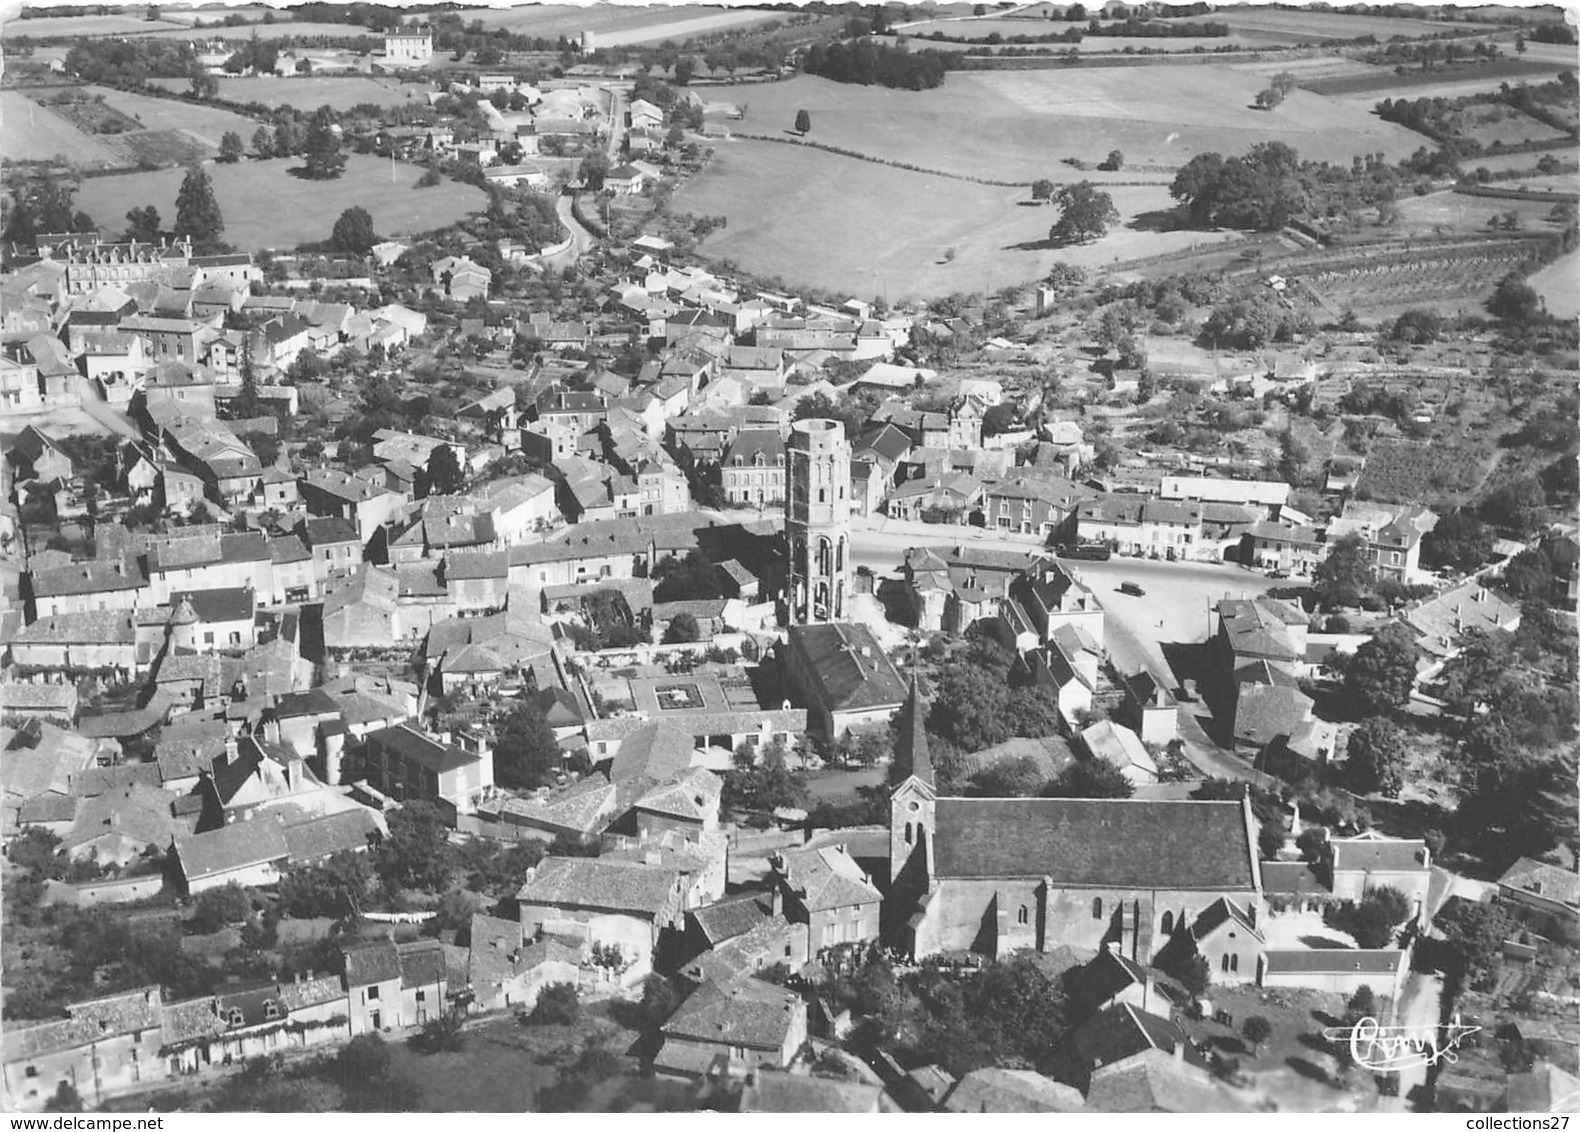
[205,123]
[1559,284]
[82,26]
[1456,213]
[854,239]
[277,30]
[1319,27]
[616,25]
[1487,124]
[1017,125]
[30,132]
[1376,83]
[1498,162]
[339,91]
[266,207]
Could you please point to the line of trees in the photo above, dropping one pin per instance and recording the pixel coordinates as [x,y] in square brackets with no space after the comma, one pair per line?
[869,64]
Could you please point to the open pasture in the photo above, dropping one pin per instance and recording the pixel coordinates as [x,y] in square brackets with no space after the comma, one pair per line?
[1488,124]
[617,25]
[1376,83]
[277,30]
[1455,212]
[852,226]
[30,132]
[1322,27]
[1501,162]
[1559,285]
[341,92]
[1018,125]
[206,124]
[83,26]
[265,206]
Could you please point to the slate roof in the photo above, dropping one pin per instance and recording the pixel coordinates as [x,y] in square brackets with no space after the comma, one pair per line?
[1547,881]
[421,963]
[1385,854]
[991,1089]
[1220,912]
[585,882]
[1334,960]
[98,576]
[826,878]
[745,1012]
[372,963]
[774,1091]
[1122,1031]
[1105,843]
[695,796]
[731,917]
[235,846]
[849,678]
[322,837]
[412,745]
[1152,1082]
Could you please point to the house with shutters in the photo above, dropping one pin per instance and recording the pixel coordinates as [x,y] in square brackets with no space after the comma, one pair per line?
[104,1047]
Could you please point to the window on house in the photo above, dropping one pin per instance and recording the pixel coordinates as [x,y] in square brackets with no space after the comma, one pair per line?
[1023,916]
[208,638]
[1168,923]
[909,834]
[1225,964]
[1097,908]
[422,996]
[372,993]
[32,1070]
[271,1010]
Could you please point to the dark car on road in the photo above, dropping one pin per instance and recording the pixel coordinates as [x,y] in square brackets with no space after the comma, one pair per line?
[1132,589]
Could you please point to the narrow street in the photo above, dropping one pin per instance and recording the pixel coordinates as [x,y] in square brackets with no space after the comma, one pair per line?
[1420,1007]
[581,238]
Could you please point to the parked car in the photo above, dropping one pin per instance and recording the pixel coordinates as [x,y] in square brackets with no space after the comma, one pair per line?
[1132,589]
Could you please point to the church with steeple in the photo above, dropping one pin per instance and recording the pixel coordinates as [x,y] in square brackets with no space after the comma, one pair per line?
[995,875]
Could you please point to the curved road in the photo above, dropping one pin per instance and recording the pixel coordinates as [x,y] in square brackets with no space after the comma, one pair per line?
[581,239]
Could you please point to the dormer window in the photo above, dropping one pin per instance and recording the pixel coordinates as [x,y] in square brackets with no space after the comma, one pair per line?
[237,1018]
[271,1010]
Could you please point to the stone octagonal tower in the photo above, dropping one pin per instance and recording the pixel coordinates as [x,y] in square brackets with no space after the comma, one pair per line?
[817,522]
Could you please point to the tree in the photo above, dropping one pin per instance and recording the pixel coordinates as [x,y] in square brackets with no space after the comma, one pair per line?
[1375,759]
[526,753]
[353,232]
[263,143]
[64,1099]
[1475,932]
[1382,671]
[594,168]
[803,122]
[1042,190]
[1460,541]
[204,85]
[1114,162]
[444,471]
[1345,574]
[1514,301]
[1085,214]
[683,630]
[142,225]
[334,887]
[231,147]
[197,212]
[1362,1004]
[1257,1030]
[1009,778]
[322,147]
[416,854]
[287,138]
[764,784]
[216,907]
[1092,778]
[558,1005]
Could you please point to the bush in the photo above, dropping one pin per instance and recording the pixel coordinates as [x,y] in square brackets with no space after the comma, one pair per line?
[558,1005]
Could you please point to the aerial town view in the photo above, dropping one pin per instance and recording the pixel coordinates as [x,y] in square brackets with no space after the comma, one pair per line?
[809,557]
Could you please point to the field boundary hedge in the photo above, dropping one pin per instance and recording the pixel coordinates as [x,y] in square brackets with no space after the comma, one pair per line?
[841,151]
[591,223]
[1556,195]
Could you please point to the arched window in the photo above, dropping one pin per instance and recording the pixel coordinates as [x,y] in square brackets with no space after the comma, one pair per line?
[1225,963]
[1023,916]
[909,833]
[1097,908]
[1234,962]
[1168,923]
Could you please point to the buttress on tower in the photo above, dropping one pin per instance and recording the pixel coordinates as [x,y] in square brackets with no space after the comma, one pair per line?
[817,521]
